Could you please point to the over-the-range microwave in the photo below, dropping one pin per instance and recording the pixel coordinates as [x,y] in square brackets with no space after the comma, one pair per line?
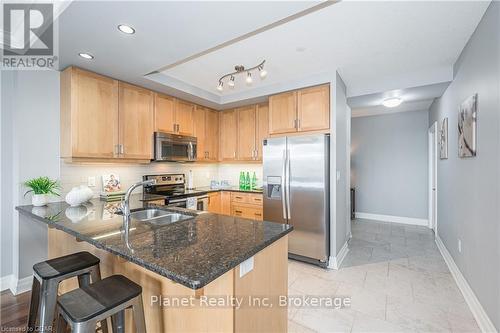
[174,148]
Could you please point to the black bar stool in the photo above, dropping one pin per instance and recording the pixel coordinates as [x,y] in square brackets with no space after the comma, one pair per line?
[46,278]
[82,308]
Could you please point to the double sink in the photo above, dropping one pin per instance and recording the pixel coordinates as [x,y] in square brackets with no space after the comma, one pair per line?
[157,216]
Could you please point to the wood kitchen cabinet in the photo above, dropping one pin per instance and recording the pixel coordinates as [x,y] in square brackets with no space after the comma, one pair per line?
[206,131]
[212,135]
[313,108]
[225,203]
[303,110]
[246,133]
[104,120]
[135,122]
[89,115]
[184,117]
[283,113]
[173,115]
[228,135]
[214,202]
[247,205]
[261,129]
[164,113]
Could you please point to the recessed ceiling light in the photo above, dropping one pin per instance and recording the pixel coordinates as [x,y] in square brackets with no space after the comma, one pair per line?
[392,102]
[87,56]
[126,29]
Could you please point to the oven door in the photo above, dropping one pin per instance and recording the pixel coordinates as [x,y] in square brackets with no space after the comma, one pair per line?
[182,203]
[176,148]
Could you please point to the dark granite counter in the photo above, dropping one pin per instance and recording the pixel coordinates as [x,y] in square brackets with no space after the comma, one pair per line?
[193,252]
[229,189]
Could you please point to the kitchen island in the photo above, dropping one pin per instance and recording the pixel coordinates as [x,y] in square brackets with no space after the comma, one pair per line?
[209,272]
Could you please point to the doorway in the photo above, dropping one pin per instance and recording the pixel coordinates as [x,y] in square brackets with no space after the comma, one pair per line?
[432,160]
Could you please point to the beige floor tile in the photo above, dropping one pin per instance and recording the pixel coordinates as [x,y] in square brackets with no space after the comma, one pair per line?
[364,323]
[324,320]
[308,284]
[294,327]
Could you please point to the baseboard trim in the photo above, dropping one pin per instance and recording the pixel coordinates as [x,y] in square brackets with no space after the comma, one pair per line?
[6,282]
[392,218]
[484,322]
[21,286]
[336,261]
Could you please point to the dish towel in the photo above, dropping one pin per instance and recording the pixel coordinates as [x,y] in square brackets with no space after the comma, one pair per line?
[191,203]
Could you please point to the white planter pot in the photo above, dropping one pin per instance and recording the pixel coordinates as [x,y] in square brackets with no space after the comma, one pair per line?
[39,200]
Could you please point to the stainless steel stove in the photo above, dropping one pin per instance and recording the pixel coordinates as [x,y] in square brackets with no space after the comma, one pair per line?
[173,188]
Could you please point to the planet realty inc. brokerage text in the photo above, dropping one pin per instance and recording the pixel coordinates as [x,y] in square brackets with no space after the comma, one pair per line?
[298,301]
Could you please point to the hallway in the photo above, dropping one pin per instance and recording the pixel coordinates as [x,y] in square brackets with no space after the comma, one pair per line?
[397,281]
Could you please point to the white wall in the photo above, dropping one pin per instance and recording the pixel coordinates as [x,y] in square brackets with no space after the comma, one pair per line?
[342,200]
[30,148]
[468,188]
[389,164]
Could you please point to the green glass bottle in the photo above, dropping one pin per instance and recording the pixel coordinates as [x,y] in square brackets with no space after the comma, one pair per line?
[253,185]
[242,180]
[247,181]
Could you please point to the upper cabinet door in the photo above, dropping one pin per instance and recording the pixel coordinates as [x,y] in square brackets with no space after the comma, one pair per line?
[164,113]
[262,129]
[313,107]
[200,114]
[228,135]
[89,115]
[212,134]
[184,112]
[136,121]
[283,113]
[246,133]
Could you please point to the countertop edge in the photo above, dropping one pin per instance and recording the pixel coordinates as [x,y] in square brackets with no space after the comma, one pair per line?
[154,268]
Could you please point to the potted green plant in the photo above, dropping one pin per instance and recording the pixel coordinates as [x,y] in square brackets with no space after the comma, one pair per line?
[41,187]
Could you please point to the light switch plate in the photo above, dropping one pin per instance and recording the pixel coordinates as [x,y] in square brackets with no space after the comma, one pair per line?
[246,266]
[91,182]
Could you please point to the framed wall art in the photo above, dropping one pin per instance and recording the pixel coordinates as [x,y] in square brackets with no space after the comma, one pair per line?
[467,127]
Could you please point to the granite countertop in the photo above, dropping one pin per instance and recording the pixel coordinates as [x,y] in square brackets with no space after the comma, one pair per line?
[230,189]
[193,252]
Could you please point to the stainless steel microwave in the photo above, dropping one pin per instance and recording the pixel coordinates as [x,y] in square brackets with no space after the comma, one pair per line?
[174,148]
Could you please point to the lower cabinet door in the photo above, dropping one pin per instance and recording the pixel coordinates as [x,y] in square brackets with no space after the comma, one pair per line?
[247,212]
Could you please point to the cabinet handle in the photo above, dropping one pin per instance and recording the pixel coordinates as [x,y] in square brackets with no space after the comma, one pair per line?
[298,123]
[122,149]
[258,214]
[295,123]
[238,211]
[239,197]
[116,150]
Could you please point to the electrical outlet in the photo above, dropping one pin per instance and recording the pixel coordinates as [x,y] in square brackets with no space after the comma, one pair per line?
[91,181]
[459,245]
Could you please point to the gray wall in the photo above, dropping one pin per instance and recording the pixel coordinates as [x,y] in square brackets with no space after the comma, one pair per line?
[468,189]
[342,117]
[32,142]
[6,200]
[389,164]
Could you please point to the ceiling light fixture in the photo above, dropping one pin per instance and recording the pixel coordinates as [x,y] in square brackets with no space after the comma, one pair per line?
[239,69]
[126,29]
[87,56]
[392,102]
[230,83]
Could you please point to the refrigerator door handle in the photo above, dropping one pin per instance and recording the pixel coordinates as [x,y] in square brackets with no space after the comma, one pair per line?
[283,185]
[287,181]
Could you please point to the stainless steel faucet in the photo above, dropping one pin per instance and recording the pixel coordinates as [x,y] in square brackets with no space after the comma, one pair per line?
[126,200]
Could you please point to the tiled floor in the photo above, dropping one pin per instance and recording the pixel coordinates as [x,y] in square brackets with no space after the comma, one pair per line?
[397,281]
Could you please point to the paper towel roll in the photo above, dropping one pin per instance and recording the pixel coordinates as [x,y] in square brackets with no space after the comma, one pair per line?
[190,180]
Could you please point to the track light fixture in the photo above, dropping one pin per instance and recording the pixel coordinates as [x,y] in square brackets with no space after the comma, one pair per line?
[239,69]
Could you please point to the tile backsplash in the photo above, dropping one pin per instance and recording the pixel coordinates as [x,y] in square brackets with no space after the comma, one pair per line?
[77,174]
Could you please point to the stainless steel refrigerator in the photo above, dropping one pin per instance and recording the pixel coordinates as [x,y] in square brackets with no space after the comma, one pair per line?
[296,183]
